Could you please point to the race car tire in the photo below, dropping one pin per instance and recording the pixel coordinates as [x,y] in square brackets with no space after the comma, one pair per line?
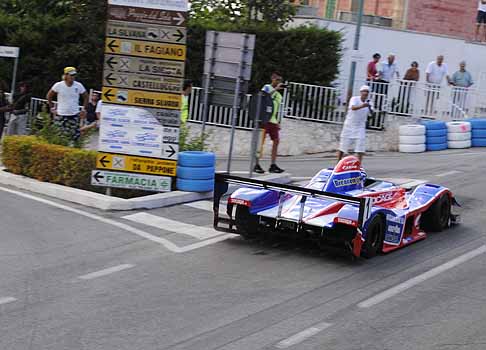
[437,147]
[206,173]
[434,125]
[478,133]
[197,159]
[479,142]
[436,132]
[477,123]
[412,148]
[437,217]
[458,136]
[459,144]
[458,127]
[412,140]
[434,140]
[412,130]
[195,185]
[246,224]
[373,243]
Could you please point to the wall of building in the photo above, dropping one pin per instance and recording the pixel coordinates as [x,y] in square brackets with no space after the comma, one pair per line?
[408,46]
[452,17]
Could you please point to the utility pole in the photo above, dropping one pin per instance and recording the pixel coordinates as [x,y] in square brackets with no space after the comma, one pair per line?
[357,36]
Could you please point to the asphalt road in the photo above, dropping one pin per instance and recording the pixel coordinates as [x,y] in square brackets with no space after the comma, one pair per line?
[76,278]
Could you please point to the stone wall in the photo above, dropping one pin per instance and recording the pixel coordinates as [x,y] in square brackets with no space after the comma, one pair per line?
[300,137]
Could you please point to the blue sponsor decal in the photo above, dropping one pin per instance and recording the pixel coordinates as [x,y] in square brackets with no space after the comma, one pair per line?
[394,229]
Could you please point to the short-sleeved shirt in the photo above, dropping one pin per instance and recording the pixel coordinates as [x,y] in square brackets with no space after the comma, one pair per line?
[277,101]
[388,71]
[462,79]
[68,97]
[481,6]
[185,108]
[436,72]
[355,123]
[372,71]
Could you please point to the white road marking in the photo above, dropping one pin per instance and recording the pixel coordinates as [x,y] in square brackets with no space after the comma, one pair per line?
[7,300]
[421,278]
[199,232]
[162,241]
[301,336]
[206,206]
[106,272]
[453,172]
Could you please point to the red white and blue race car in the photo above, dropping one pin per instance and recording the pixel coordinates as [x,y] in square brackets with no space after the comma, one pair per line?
[339,207]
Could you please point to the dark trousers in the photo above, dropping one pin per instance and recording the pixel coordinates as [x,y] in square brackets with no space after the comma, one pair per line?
[2,124]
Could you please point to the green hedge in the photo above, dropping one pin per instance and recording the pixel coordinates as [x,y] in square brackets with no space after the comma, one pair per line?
[304,54]
[32,157]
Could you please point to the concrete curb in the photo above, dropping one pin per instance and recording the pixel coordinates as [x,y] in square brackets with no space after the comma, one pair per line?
[102,202]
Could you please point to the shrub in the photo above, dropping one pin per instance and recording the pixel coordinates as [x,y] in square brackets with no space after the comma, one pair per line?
[17,153]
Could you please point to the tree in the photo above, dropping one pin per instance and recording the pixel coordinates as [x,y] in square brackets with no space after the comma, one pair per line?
[277,12]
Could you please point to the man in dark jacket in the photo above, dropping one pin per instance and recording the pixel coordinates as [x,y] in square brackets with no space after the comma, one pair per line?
[19,111]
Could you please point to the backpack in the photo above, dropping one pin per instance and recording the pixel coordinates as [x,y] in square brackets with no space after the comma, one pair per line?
[266,108]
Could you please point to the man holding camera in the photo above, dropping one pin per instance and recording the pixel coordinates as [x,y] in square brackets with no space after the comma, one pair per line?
[354,128]
[272,126]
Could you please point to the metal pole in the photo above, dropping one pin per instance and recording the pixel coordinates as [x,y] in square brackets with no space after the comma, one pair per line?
[14,78]
[255,134]
[357,37]
[236,101]
[209,76]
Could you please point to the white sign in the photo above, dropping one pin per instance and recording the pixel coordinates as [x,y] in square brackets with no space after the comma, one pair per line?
[170,5]
[171,151]
[9,51]
[131,181]
[134,131]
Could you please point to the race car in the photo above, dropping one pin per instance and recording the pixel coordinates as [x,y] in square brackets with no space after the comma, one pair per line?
[339,207]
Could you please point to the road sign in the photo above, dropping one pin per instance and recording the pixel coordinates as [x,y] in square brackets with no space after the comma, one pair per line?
[148,16]
[131,181]
[141,98]
[138,65]
[143,82]
[9,51]
[140,31]
[137,131]
[172,5]
[171,151]
[135,164]
[145,49]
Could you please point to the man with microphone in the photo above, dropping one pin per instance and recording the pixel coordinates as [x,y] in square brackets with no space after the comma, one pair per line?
[354,128]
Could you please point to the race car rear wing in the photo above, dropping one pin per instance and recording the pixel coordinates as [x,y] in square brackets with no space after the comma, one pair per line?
[223,181]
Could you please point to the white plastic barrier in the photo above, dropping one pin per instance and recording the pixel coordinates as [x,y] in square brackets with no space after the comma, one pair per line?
[459,135]
[412,139]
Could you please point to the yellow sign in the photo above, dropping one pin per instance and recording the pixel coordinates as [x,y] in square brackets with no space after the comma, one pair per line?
[145,49]
[133,164]
[142,98]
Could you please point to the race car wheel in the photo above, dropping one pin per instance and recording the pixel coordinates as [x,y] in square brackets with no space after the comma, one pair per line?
[437,217]
[246,224]
[374,239]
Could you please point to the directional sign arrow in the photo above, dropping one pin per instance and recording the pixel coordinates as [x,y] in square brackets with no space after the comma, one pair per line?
[104,162]
[179,35]
[98,177]
[109,79]
[112,45]
[170,151]
[108,95]
[179,18]
[111,62]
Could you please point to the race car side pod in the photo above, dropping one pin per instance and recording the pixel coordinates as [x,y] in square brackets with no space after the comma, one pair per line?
[221,186]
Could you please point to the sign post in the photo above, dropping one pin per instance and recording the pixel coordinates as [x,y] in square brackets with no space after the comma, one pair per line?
[11,52]
[145,53]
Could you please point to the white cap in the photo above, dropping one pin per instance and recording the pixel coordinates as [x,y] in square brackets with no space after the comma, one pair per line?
[364,88]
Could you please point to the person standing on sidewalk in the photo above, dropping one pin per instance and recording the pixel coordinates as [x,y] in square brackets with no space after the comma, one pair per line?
[68,117]
[272,127]
[354,128]
[435,74]
[19,111]
[461,81]
[481,21]
[186,93]
[3,105]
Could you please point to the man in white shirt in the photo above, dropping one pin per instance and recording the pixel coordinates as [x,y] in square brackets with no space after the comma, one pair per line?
[435,73]
[481,20]
[354,128]
[67,114]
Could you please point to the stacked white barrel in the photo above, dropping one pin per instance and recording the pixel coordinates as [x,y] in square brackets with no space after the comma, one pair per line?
[478,132]
[412,139]
[459,135]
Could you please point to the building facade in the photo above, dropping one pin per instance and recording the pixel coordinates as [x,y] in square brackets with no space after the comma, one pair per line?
[452,17]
